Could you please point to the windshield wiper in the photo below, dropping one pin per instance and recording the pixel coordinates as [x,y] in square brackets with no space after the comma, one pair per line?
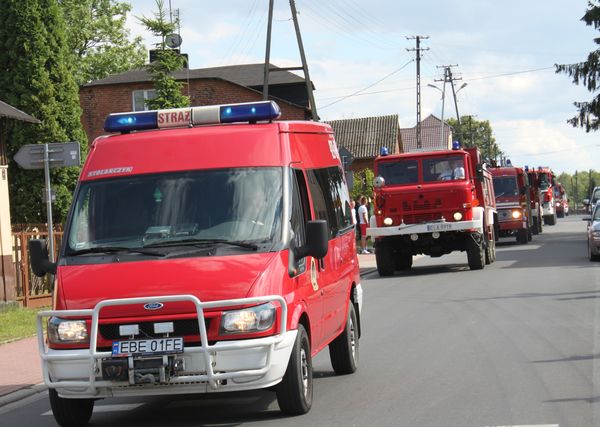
[193,242]
[114,249]
[500,195]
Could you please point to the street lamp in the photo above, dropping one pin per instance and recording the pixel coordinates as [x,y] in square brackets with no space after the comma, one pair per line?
[442,120]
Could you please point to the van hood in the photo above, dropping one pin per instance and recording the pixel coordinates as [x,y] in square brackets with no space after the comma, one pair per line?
[207,278]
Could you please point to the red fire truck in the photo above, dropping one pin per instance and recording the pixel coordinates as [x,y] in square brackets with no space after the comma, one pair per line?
[543,177]
[511,188]
[433,203]
[536,200]
[208,249]
[561,201]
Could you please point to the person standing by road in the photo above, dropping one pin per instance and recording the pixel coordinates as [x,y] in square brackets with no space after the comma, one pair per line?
[363,219]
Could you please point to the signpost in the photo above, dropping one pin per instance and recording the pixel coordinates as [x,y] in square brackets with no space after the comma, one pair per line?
[46,156]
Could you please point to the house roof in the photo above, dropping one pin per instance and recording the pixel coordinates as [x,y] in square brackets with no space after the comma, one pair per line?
[11,112]
[430,136]
[248,75]
[364,137]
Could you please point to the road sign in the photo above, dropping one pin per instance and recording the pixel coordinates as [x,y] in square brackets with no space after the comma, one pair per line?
[60,154]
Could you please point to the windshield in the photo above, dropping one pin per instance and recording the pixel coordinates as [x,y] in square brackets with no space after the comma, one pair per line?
[443,169]
[399,172]
[595,196]
[237,204]
[505,186]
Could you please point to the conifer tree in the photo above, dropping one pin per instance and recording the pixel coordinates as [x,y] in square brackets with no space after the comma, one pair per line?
[37,77]
[588,74]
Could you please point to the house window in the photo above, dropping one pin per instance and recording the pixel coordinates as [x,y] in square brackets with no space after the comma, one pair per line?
[140,97]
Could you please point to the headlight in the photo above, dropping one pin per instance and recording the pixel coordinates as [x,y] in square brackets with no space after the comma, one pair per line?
[457,216]
[61,331]
[254,319]
[516,214]
[388,221]
[595,234]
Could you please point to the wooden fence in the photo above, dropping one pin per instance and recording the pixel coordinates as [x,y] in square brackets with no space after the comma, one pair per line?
[32,291]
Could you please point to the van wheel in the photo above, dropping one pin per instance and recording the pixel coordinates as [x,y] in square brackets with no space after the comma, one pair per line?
[384,257]
[70,412]
[475,251]
[295,391]
[404,261]
[343,351]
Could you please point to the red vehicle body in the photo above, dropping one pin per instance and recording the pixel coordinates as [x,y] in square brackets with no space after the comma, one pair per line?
[561,201]
[543,179]
[201,259]
[511,188]
[432,203]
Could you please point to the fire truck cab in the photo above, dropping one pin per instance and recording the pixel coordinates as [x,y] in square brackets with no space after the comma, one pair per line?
[213,251]
[544,181]
[511,188]
[433,203]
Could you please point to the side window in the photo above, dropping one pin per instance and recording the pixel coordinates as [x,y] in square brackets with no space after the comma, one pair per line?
[140,97]
[331,201]
[300,213]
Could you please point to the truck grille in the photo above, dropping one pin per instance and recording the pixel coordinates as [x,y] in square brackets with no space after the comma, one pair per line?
[181,328]
[422,205]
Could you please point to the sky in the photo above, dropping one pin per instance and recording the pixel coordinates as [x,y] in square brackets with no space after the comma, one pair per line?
[358,60]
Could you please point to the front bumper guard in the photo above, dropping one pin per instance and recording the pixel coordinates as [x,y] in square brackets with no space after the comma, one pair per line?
[428,227]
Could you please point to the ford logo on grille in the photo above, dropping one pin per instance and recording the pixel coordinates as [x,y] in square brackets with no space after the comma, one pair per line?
[154,306]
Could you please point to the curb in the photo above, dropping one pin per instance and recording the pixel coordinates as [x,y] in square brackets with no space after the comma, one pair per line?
[22,393]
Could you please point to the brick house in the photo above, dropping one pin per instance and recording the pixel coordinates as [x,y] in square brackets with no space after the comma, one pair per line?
[206,86]
[364,138]
[430,136]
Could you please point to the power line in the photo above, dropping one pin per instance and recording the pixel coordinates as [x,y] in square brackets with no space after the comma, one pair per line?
[493,76]
[369,86]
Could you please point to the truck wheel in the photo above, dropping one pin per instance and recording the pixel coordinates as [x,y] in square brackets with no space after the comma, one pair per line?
[295,391]
[404,261]
[384,257]
[536,226]
[70,412]
[343,351]
[522,236]
[529,233]
[540,222]
[490,250]
[550,219]
[475,251]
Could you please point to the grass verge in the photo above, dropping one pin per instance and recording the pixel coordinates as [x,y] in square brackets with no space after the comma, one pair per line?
[18,323]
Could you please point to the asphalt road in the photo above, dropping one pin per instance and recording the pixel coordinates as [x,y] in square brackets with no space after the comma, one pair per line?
[517,343]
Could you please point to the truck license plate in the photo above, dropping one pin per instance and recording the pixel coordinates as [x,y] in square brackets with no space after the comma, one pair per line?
[439,227]
[146,347]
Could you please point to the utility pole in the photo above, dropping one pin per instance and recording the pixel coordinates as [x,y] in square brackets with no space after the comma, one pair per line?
[304,67]
[449,78]
[444,80]
[418,50]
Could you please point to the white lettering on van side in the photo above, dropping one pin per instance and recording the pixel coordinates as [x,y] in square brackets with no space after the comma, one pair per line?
[99,172]
[333,148]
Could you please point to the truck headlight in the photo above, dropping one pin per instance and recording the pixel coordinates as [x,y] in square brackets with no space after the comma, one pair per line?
[254,319]
[516,214]
[457,216]
[61,331]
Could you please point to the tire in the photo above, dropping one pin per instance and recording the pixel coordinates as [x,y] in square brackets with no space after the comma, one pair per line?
[404,261]
[529,233]
[70,412]
[295,391]
[475,251]
[490,252]
[522,236]
[550,219]
[540,221]
[343,351]
[592,256]
[536,227]
[493,250]
[384,257]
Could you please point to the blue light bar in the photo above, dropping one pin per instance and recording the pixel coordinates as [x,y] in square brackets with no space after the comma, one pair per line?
[183,117]
[125,122]
[456,145]
[249,112]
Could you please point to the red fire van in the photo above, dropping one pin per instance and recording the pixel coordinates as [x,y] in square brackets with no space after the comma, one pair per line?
[208,249]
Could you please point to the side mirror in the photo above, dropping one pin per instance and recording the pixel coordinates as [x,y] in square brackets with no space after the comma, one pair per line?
[586,201]
[316,240]
[587,218]
[479,172]
[38,255]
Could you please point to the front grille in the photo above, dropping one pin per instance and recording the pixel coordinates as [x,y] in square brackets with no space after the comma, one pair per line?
[181,328]
[421,205]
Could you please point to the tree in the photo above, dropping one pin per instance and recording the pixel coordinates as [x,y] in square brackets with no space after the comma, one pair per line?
[476,133]
[98,38]
[588,74]
[37,77]
[168,89]
[362,184]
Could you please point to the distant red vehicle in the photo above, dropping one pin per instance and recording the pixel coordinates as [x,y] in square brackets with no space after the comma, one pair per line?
[511,188]
[543,179]
[561,201]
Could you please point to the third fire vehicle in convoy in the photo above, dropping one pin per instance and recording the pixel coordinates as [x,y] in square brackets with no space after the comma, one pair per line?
[511,188]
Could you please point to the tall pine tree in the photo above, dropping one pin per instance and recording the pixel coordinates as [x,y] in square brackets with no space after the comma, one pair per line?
[36,76]
[588,74]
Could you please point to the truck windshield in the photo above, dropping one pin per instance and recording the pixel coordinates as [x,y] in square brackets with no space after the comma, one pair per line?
[399,172]
[228,205]
[506,186]
[443,169]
